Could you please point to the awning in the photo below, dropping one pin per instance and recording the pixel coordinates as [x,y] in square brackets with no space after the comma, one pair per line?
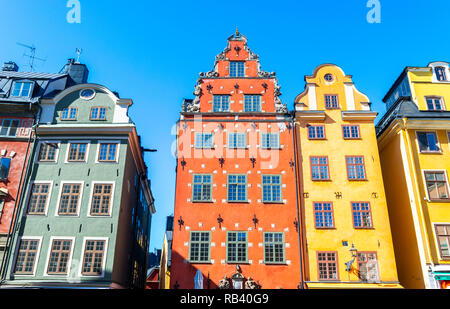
[442,276]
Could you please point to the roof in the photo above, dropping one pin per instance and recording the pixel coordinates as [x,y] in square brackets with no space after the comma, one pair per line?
[30,75]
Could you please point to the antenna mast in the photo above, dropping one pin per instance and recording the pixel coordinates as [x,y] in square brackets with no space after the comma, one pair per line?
[32,55]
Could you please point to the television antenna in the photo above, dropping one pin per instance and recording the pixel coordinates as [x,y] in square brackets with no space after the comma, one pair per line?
[32,55]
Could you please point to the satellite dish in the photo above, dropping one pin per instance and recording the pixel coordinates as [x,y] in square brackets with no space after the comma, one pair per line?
[198,280]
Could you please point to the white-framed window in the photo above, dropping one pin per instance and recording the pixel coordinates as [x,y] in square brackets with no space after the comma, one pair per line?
[93,257]
[221,103]
[59,256]
[77,151]
[22,89]
[204,140]
[39,195]
[441,74]
[48,151]
[435,103]
[237,68]
[101,199]
[237,140]
[427,141]
[27,255]
[107,151]
[9,127]
[69,198]
[252,103]
[270,140]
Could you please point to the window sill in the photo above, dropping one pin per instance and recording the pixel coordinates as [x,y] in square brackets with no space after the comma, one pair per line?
[362,179]
[196,262]
[364,228]
[352,138]
[325,180]
[430,152]
[442,200]
[325,228]
[237,202]
[270,202]
[207,202]
[244,263]
[276,263]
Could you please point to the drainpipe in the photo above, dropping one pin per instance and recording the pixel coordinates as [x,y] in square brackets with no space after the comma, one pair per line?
[300,243]
[15,215]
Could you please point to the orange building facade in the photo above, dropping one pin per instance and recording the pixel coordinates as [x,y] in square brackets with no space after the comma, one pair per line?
[236,212]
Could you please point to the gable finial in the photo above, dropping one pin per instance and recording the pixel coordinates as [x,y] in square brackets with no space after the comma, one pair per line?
[237,32]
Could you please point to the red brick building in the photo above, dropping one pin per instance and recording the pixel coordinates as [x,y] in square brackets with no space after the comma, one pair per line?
[236,214]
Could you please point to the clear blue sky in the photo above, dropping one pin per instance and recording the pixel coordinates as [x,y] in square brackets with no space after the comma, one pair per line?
[152,51]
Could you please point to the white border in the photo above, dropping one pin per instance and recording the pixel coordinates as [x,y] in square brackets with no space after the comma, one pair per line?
[425,184]
[61,184]
[99,142]
[106,239]
[437,141]
[70,142]
[69,262]
[30,185]
[19,239]
[36,159]
[93,183]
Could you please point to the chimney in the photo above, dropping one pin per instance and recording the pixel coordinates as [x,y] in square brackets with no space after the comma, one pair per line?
[10,66]
[78,72]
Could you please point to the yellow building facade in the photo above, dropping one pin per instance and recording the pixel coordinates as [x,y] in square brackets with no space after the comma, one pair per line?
[347,239]
[414,144]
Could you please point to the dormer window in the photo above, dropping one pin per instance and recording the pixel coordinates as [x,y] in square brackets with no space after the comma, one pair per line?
[440,74]
[69,113]
[22,89]
[236,68]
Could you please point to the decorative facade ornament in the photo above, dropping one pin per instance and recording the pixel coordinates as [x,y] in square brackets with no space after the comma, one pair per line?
[224,284]
[265,74]
[210,74]
[250,284]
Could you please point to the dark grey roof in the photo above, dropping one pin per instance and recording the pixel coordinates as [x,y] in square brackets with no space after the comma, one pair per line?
[404,107]
[30,75]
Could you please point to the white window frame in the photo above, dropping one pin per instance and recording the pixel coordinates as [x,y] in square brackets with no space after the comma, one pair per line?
[30,185]
[80,268]
[21,88]
[9,128]
[36,158]
[93,183]
[437,142]
[200,135]
[425,183]
[69,263]
[61,184]
[108,142]
[436,241]
[36,261]
[66,159]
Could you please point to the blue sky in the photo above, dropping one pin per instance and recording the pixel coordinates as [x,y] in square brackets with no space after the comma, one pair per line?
[152,51]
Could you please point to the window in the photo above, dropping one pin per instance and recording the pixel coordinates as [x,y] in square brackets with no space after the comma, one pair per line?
[440,73]
[436,185]
[199,247]
[204,140]
[331,101]
[101,199]
[108,152]
[87,94]
[39,196]
[9,127]
[77,152]
[316,132]
[252,103]
[323,214]
[47,152]
[26,257]
[327,265]
[328,77]
[273,248]
[59,257]
[361,215]
[319,168]
[351,131]
[202,188]
[368,266]
[69,200]
[221,103]
[434,103]
[69,113]
[237,188]
[237,140]
[5,164]
[237,247]
[22,89]
[237,68]
[428,142]
[271,188]
[94,252]
[270,140]
[355,168]
[98,113]
[443,238]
